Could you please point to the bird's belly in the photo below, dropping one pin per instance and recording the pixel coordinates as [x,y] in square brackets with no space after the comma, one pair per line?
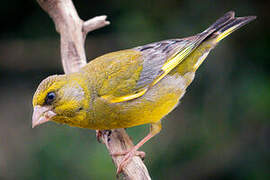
[149,108]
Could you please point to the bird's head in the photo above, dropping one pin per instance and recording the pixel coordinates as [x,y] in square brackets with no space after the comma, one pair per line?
[62,99]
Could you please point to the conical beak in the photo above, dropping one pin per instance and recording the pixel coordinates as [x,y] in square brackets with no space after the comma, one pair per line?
[41,115]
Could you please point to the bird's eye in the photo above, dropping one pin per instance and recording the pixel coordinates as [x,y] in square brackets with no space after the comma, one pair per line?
[50,98]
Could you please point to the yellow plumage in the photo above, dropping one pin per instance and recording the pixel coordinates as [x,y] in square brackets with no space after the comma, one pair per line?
[130,87]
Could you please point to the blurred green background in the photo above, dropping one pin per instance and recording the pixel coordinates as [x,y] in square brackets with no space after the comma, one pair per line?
[221,129]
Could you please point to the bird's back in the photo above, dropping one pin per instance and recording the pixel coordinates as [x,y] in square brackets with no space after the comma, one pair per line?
[143,84]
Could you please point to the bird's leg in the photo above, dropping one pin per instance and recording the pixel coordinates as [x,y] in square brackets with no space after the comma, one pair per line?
[154,129]
[130,153]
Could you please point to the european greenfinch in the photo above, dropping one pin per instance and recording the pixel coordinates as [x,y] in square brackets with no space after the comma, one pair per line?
[130,87]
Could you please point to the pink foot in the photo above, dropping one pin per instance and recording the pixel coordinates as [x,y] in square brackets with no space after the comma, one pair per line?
[128,155]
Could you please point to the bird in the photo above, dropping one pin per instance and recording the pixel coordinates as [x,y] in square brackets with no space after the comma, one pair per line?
[130,87]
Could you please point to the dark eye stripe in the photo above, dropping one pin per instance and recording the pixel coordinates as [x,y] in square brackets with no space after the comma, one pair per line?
[50,98]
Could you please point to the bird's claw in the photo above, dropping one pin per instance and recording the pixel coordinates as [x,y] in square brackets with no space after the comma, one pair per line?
[128,155]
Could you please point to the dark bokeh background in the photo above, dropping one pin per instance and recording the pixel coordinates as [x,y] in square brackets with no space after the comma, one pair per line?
[220,130]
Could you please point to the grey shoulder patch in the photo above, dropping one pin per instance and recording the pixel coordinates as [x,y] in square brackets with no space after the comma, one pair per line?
[155,56]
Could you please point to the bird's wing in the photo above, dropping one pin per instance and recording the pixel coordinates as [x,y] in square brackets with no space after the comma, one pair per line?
[130,73]
[136,70]
[161,57]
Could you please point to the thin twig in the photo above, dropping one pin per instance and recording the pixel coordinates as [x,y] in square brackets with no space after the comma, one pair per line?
[95,23]
[73,32]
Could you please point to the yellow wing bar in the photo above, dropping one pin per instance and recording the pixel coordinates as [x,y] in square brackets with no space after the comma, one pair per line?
[114,99]
[173,62]
[166,68]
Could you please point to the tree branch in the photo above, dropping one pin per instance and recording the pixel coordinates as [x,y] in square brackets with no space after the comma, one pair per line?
[73,32]
[95,23]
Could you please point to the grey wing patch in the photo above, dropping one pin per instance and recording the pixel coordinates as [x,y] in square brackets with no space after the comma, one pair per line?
[155,56]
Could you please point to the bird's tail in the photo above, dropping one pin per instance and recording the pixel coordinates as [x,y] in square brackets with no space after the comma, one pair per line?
[208,39]
[226,25]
